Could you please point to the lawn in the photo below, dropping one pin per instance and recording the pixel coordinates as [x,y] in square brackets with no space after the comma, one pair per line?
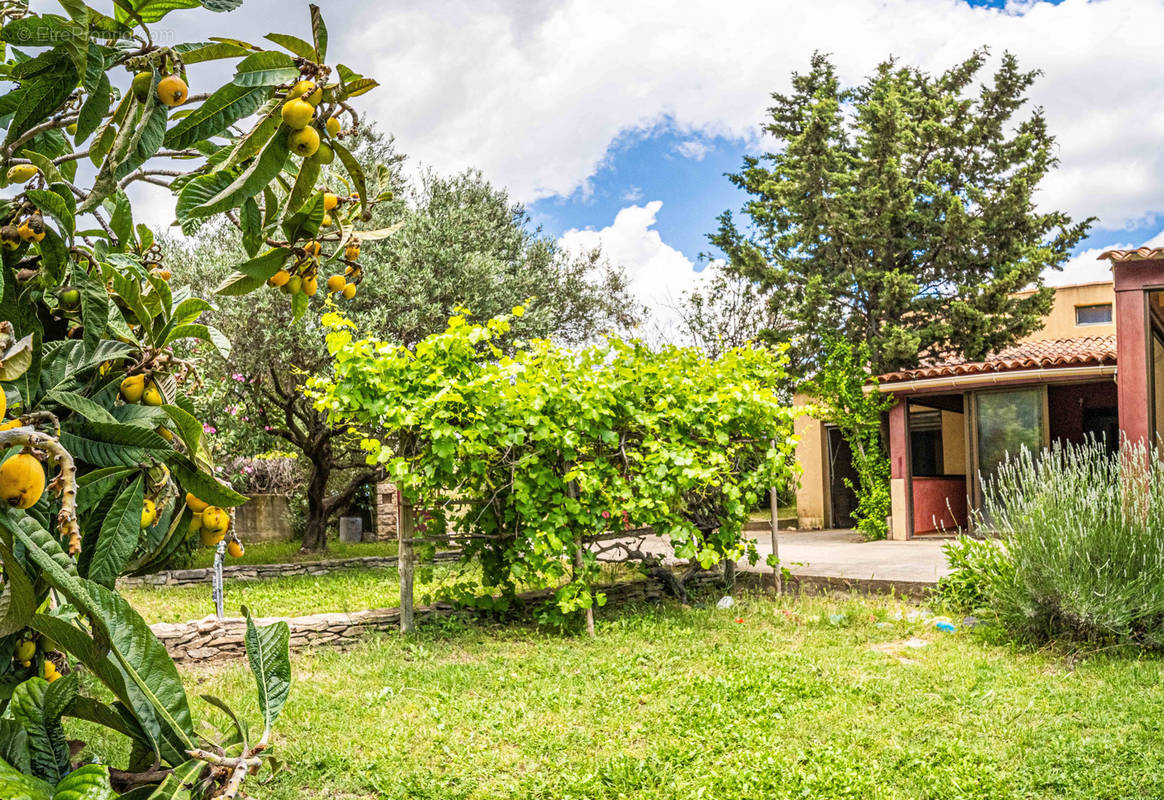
[353,589]
[771,699]
[288,553]
[344,590]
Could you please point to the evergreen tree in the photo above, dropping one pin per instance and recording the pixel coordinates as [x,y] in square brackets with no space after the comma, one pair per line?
[900,213]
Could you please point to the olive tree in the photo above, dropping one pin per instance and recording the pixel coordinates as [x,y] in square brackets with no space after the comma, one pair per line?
[455,241]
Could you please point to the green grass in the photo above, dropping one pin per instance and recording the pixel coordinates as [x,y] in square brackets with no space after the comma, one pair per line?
[345,590]
[288,553]
[683,703]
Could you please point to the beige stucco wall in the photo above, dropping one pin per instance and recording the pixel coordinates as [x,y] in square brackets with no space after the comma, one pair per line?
[811,453]
[954,443]
[899,519]
[1060,323]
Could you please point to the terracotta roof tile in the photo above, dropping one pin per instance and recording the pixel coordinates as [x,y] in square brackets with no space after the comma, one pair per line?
[1139,254]
[1047,354]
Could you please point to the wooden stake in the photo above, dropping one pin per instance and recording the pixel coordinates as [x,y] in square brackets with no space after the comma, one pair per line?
[774,526]
[404,533]
[578,565]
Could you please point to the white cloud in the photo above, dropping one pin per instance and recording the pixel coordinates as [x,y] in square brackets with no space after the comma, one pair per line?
[1082,268]
[693,149]
[632,195]
[1085,267]
[535,94]
[658,273]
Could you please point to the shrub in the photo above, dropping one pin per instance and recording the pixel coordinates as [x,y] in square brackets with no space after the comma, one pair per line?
[840,386]
[266,473]
[1084,536]
[975,566]
[551,456]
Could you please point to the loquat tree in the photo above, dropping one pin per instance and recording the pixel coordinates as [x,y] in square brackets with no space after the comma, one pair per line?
[95,382]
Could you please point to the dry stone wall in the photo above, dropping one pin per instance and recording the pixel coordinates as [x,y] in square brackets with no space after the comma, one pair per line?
[210,640]
[258,572]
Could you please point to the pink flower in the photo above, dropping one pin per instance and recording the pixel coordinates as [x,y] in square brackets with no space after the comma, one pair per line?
[208,428]
[248,469]
[606,515]
[238,377]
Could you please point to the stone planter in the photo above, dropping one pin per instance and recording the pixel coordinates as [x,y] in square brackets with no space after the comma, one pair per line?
[264,518]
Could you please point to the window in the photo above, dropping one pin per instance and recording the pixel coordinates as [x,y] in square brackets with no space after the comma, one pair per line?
[1093,315]
[925,446]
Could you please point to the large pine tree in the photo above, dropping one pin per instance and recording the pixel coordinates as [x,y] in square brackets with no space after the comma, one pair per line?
[901,213]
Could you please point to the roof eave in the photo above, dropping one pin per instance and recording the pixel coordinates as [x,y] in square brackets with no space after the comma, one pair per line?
[997,378]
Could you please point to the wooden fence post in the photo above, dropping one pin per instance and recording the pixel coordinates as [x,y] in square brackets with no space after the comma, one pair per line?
[773,527]
[405,530]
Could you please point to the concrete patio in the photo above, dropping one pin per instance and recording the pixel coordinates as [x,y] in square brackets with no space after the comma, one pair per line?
[841,559]
[842,556]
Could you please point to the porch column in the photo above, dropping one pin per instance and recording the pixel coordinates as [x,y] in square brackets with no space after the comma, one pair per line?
[1133,277]
[901,523]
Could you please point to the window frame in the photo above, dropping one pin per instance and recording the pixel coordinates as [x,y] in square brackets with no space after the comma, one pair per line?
[1088,306]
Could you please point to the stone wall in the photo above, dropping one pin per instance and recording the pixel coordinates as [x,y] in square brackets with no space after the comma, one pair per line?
[264,518]
[210,640]
[258,572]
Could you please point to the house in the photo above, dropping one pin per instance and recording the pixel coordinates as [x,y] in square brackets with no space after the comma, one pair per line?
[1096,368]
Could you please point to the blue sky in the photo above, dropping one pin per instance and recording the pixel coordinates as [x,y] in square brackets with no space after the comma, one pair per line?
[615,122]
[686,172]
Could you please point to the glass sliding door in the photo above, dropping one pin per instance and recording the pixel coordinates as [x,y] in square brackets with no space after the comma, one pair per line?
[1005,422]
[1158,385]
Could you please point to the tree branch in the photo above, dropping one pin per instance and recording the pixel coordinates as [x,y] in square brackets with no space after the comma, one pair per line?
[343,498]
